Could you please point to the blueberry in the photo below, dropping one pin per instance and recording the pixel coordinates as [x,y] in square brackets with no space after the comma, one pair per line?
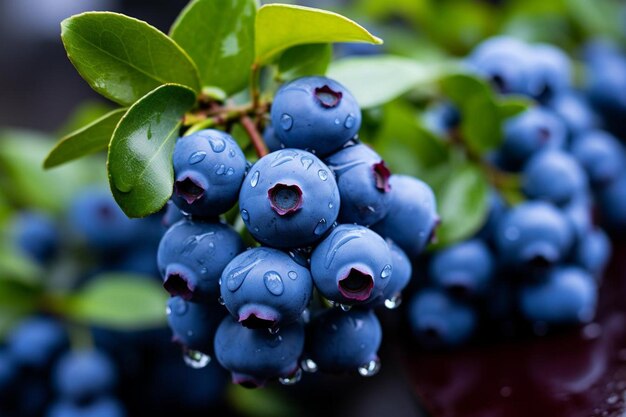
[101,407]
[316,114]
[575,112]
[554,176]
[271,141]
[363,181]
[265,287]
[209,168]
[412,215]
[171,215]
[533,234]
[36,342]
[497,209]
[8,372]
[529,133]
[612,202]
[439,321]
[442,118]
[80,376]
[352,265]
[193,324]
[593,252]
[601,155]
[606,76]
[578,214]
[343,341]
[567,296]
[254,356]
[551,71]
[289,199]
[37,235]
[192,255]
[464,269]
[402,268]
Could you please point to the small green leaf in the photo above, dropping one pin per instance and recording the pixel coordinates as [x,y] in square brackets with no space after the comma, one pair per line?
[261,403]
[281,26]
[461,87]
[140,153]
[303,60]
[463,204]
[85,113]
[90,139]
[124,58]
[219,37]
[118,301]
[15,266]
[481,124]
[378,79]
[512,106]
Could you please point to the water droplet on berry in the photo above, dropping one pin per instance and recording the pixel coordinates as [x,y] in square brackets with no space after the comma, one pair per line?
[245,215]
[370,369]
[393,302]
[195,358]
[274,340]
[220,169]
[231,153]
[255,179]
[345,307]
[204,270]
[230,171]
[238,275]
[323,174]
[308,365]
[273,330]
[386,272]
[349,123]
[292,274]
[320,228]
[221,300]
[306,315]
[337,121]
[291,379]
[168,310]
[306,162]
[178,306]
[218,145]
[197,157]
[273,282]
[286,121]
[330,205]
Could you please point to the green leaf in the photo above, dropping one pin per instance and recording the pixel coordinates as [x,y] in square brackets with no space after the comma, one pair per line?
[463,203]
[124,58]
[90,139]
[512,106]
[140,153]
[15,266]
[219,37]
[481,127]
[281,26]
[303,60]
[379,79]
[118,301]
[85,113]
[462,87]
[261,403]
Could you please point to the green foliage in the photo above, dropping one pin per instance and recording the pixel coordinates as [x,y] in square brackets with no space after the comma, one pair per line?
[257,403]
[281,26]
[219,37]
[140,154]
[302,60]
[124,58]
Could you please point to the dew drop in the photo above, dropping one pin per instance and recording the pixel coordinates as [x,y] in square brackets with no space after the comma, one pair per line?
[221,300]
[204,270]
[168,311]
[274,340]
[273,282]
[292,274]
[197,157]
[238,275]
[218,145]
[273,330]
[195,358]
[320,228]
[291,379]
[245,215]
[612,399]
[308,365]
[345,307]
[349,123]
[306,162]
[230,171]
[306,315]
[337,121]
[220,169]
[231,153]
[370,369]
[323,174]
[286,121]
[393,302]
[330,205]
[255,179]
[386,272]
[178,306]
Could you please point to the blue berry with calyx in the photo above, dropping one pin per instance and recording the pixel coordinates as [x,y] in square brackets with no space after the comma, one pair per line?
[363,181]
[289,199]
[593,252]
[551,71]
[266,288]
[412,217]
[101,407]
[527,134]
[316,114]
[567,295]
[254,356]
[464,269]
[601,155]
[578,214]
[533,234]
[192,255]
[343,341]
[352,265]
[439,321]
[209,168]
[554,176]
[37,342]
[36,235]
[612,203]
[402,268]
[193,325]
[81,376]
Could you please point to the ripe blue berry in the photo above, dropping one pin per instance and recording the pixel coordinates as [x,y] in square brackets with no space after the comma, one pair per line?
[344,341]
[264,287]
[193,324]
[533,234]
[253,356]
[568,295]
[601,155]
[363,181]
[554,176]
[578,214]
[289,199]
[402,274]
[271,141]
[316,114]
[551,71]
[101,407]
[412,215]
[171,215]
[80,376]
[9,371]
[612,202]
[574,111]
[352,265]
[439,321]
[593,252]
[192,255]
[464,269]
[37,342]
[209,168]
[37,235]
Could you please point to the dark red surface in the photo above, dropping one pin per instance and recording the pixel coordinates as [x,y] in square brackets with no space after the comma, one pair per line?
[580,373]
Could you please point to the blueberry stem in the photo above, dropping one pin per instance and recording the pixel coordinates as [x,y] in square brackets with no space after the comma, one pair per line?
[255,137]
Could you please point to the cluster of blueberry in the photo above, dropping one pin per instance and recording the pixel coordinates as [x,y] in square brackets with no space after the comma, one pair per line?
[336,236]
[540,261]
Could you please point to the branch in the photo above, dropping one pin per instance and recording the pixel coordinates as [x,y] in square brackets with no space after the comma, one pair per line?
[255,137]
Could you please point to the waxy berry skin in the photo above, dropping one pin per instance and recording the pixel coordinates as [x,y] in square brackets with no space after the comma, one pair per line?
[192,255]
[84,375]
[601,155]
[400,278]
[289,199]
[37,342]
[316,114]
[265,288]
[209,168]
[194,324]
